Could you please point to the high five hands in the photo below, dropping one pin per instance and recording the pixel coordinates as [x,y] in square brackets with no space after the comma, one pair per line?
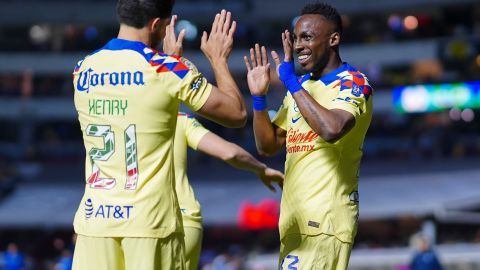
[258,75]
[172,45]
[287,50]
[218,45]
[258,71]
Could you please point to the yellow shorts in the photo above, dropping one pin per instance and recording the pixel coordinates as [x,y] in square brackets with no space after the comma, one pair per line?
[193,246]
[317,252]
[106,253]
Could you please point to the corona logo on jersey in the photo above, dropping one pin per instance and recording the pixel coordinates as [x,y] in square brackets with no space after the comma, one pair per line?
[295,137]
[89,78]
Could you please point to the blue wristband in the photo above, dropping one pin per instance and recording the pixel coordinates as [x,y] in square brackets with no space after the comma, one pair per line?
[288,77]
[259,103]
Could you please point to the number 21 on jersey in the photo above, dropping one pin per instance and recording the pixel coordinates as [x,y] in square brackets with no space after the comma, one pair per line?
[96,154]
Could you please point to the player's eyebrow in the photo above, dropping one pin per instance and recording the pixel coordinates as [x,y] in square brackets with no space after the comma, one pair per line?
[307,33]
[302,34]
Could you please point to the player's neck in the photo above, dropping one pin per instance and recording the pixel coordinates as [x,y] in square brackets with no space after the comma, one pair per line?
[334,63]
[134,34]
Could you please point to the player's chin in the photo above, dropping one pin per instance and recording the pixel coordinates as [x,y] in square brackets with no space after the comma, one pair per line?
[306,67]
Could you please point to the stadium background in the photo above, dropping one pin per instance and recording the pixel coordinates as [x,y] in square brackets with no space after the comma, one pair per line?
[420,172]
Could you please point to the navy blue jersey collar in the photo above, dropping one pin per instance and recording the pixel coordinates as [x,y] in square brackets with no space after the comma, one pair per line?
[118,44]
[331,76]
[123,44]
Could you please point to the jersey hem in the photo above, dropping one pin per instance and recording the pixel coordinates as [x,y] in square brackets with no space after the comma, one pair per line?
[163,234]
[192,224]
[341,237]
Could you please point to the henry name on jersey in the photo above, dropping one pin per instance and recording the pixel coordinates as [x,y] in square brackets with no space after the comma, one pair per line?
[107,107]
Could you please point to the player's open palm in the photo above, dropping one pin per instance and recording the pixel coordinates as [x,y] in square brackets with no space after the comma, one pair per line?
[218,45]
[271,176]
[172,45]
[258,71]
[287,50]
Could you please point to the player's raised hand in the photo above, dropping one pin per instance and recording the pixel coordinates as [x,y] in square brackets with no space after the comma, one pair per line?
[258,71]
[218,45]
[270,176]
[287,50]
[286,69]
[172,45]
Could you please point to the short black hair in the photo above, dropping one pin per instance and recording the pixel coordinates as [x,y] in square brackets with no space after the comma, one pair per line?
[137,13]
[327,11]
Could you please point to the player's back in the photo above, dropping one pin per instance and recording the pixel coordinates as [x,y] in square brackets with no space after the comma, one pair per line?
[127,98]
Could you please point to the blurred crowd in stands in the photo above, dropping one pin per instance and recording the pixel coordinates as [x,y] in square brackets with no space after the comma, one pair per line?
[56,255]
[366,27]
[223,249]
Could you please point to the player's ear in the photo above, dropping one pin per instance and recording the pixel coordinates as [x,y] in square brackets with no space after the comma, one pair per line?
[155,24]
[334,39]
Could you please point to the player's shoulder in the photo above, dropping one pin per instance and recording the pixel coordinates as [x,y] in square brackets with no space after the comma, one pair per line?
[119,46]
[157,60]
[350,78]
[80,62]
[349,71]
[187,119]
[169,64]
[185,115]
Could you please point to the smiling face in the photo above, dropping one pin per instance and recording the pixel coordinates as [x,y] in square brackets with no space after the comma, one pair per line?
[315,40]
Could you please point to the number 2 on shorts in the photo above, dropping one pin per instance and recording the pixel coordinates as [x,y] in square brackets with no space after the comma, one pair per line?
[293,264]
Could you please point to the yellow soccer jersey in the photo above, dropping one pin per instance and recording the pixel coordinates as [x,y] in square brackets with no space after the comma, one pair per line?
[189,133]
[127,97]
[320,193]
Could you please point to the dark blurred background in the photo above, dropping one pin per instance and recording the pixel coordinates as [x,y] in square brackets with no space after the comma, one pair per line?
[420,176]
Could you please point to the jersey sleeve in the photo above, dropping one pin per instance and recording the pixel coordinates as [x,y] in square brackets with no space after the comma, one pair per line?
[280,119]
[194,132]
[352,97]
[193,88]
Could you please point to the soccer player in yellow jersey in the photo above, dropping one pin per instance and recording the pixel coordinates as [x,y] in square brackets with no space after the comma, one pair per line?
[127,96]
[191,133]
[323,121]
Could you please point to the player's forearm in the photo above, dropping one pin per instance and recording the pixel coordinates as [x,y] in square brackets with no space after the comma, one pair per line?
[323,121]
[227,85]
[241,159]
[264,131]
